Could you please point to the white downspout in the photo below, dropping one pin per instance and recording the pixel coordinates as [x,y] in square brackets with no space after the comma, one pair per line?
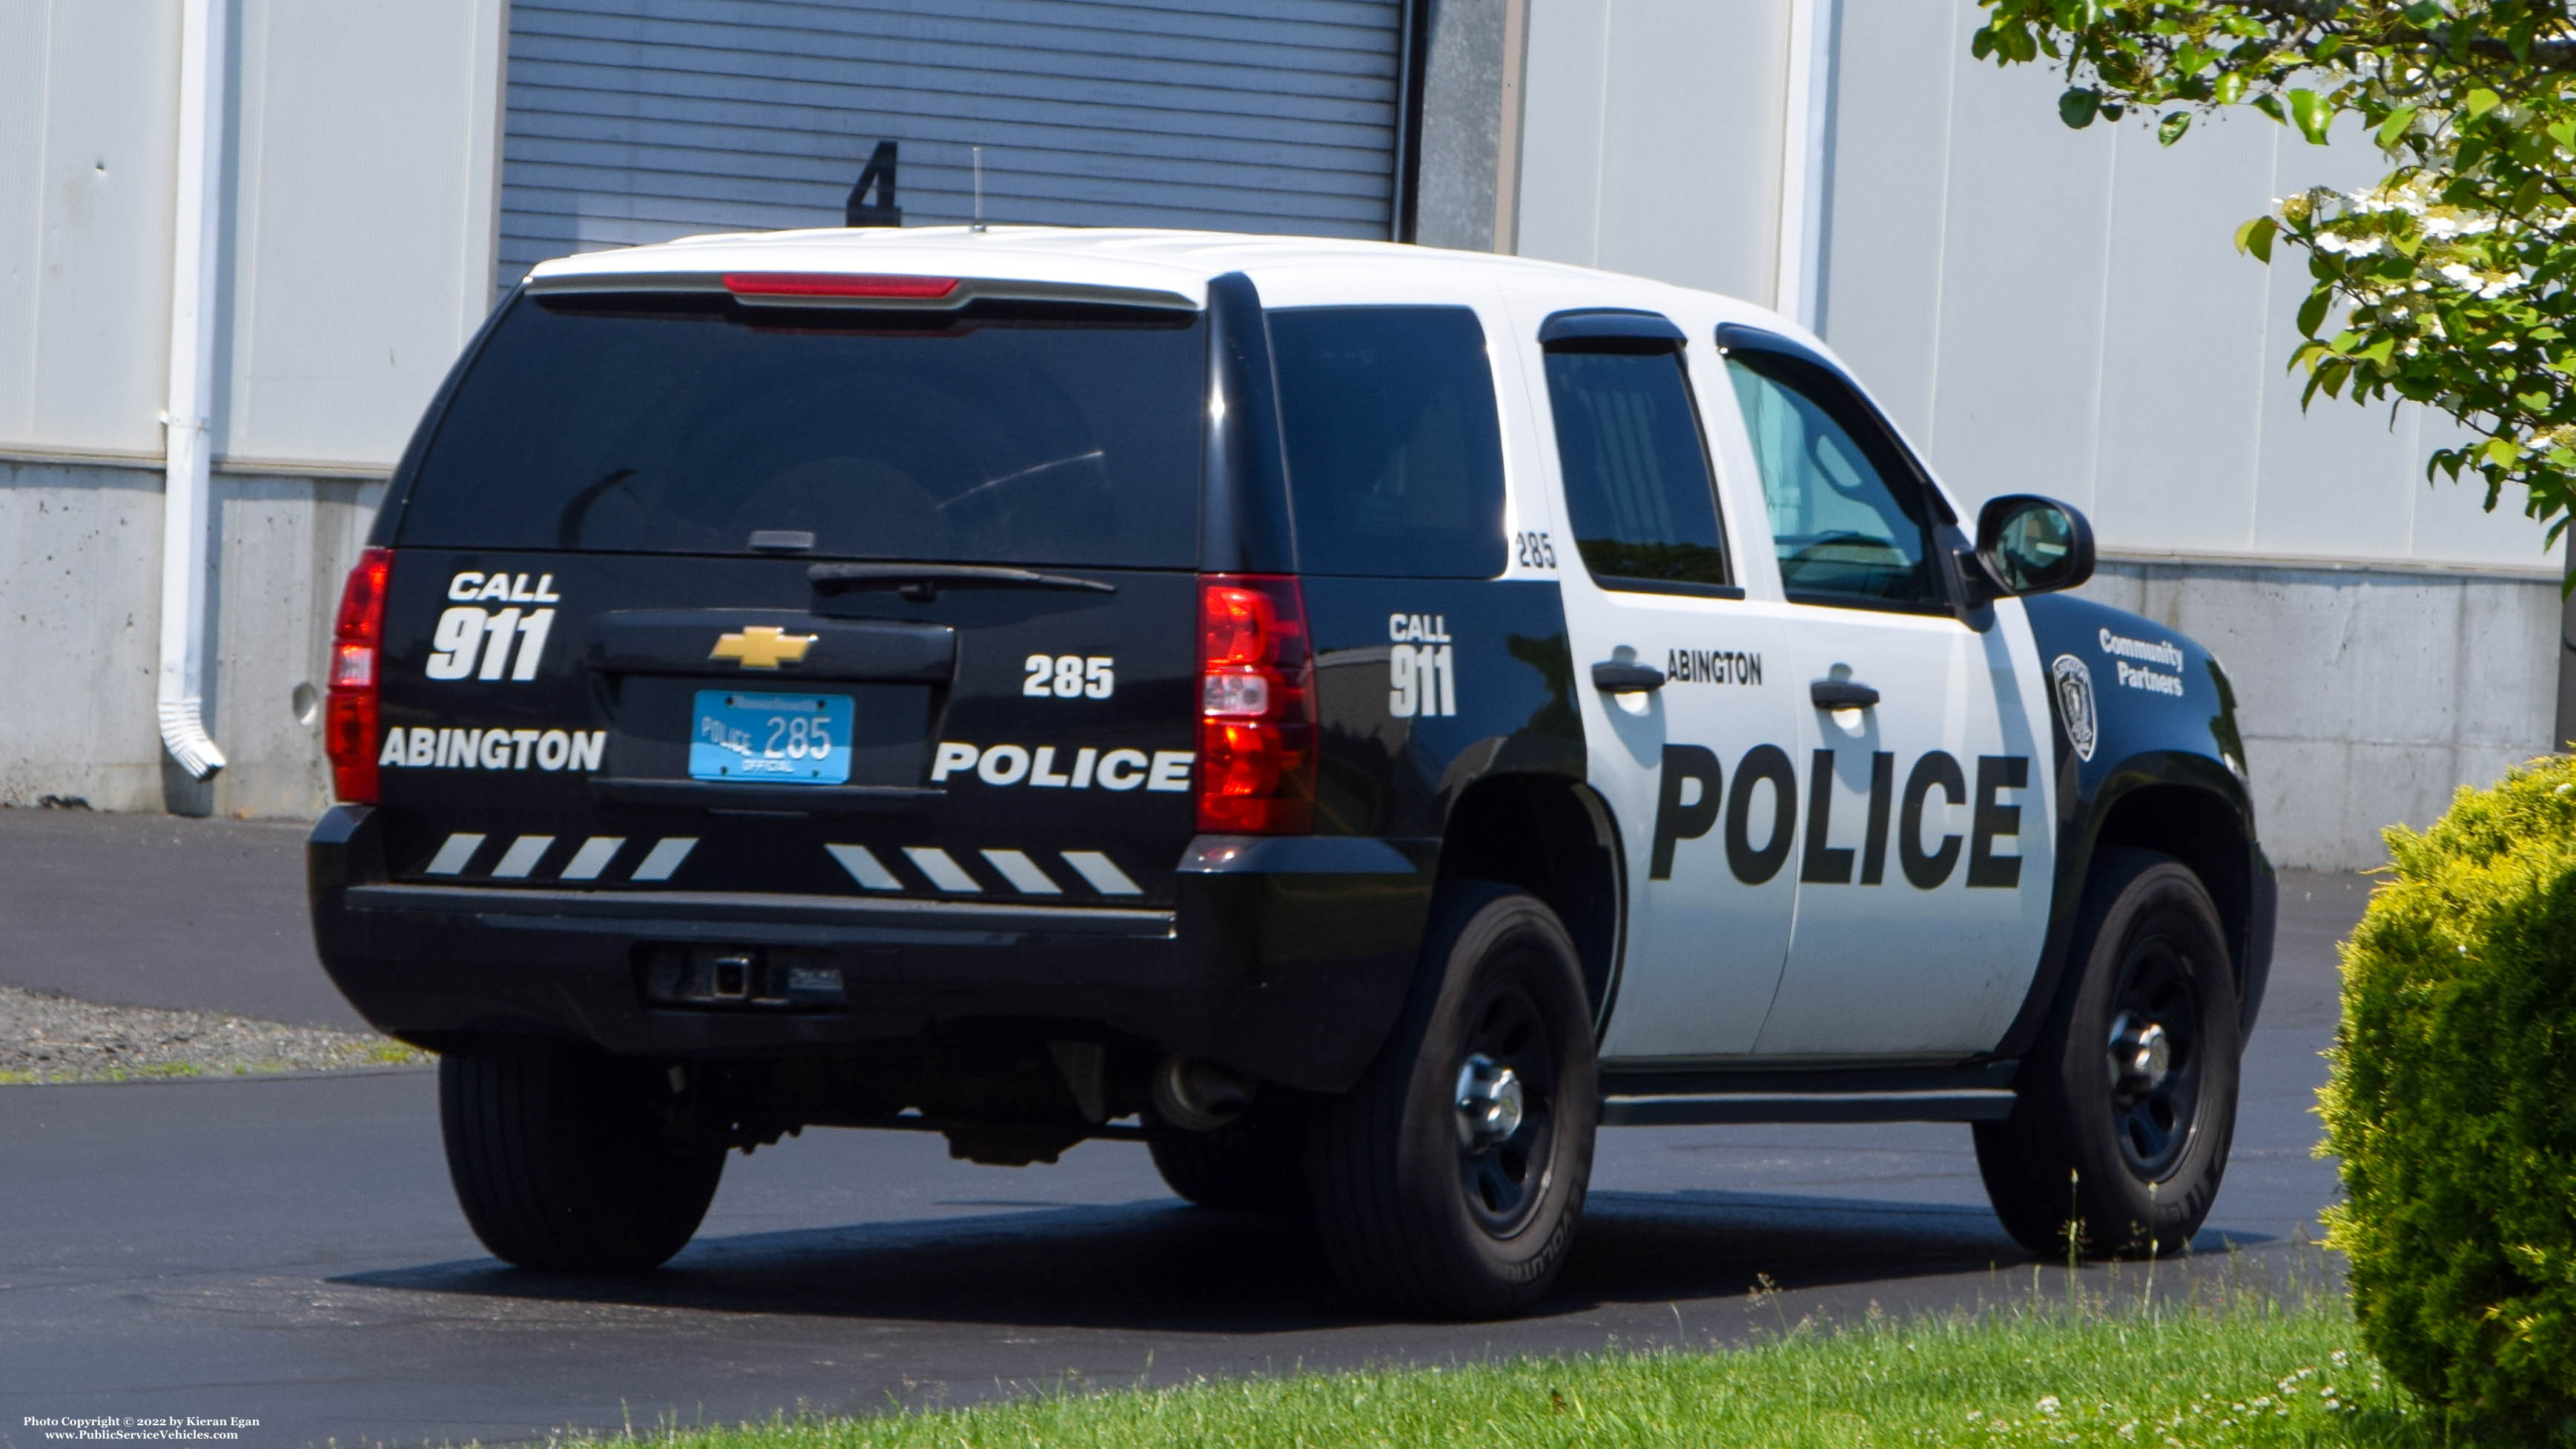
[192,377]
[1798,258]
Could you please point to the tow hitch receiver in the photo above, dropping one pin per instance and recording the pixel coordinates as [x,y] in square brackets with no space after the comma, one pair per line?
[739,976]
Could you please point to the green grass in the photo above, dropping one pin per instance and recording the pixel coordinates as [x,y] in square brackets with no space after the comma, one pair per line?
[156,1072]
[361,1054]
[2255,1371]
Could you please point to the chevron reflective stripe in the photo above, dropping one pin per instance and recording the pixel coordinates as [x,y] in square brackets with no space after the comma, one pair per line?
[593,857]
[864,867]
[1102,873]
[522,857]
[1019,869]
[1023,873]
[942,868]
[665,857]
[589,862]
[452,856]
[877,870]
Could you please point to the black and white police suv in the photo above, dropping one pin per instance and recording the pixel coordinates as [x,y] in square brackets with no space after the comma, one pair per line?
[1357,717]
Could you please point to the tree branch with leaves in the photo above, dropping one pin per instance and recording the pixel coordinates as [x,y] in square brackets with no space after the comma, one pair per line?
[2447,283]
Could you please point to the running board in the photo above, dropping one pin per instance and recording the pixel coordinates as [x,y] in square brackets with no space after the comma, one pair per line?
[1700,1110]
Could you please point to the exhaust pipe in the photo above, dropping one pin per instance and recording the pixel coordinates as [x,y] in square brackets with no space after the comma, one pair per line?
[1198,1096]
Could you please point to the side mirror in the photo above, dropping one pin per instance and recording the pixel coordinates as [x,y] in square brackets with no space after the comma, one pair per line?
[2032,545]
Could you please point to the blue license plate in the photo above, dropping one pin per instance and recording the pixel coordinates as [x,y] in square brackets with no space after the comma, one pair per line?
[792,739]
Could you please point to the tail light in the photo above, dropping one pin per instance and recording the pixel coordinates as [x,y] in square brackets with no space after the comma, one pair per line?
[1257,726]
[839,284]
[349,717]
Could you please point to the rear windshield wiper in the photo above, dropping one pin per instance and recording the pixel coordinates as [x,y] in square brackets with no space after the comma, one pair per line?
[921,582]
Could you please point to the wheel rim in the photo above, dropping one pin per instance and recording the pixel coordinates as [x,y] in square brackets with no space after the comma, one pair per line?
[2152,1057]
[1503,1110]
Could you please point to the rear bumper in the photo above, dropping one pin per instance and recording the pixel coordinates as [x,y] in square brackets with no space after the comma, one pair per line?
[1286,958]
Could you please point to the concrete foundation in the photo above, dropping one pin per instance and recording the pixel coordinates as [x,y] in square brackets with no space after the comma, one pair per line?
[2367,695]
[80,544]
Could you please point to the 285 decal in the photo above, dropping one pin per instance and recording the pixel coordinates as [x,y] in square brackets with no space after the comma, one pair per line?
[1070,676]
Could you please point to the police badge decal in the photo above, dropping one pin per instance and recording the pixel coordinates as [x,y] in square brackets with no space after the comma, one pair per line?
[2074,685]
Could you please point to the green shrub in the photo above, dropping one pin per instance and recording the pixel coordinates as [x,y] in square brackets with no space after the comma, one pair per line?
[2452,1103]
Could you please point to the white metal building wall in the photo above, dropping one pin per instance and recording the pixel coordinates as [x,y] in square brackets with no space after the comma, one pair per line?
[88,106]
[640,120]
[2056,311]
[1650,139]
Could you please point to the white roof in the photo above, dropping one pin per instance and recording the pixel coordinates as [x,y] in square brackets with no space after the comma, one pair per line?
[1176,262]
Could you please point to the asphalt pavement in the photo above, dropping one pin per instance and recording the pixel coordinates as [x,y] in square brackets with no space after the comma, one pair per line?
[157,910]
[287,1249]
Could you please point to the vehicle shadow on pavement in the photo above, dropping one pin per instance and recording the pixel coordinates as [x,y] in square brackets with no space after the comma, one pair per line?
[1158,1265]
[1693,1243]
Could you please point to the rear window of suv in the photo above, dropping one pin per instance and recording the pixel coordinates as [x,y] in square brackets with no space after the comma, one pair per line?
[1395,456]
[685,424]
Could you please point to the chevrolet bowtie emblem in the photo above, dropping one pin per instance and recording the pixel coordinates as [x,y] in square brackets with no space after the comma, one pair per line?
[762,646]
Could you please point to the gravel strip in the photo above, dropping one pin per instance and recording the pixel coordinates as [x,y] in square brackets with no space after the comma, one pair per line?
[47,1037]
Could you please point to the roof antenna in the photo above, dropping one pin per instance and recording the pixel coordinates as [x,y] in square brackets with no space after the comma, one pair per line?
[979,189]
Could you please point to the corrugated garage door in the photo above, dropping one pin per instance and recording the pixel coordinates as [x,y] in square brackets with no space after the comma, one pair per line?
[641,120]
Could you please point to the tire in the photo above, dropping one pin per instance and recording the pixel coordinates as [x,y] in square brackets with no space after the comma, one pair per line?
[1418,1218]
[1250,1165]
[561,1159]
[2125,1164]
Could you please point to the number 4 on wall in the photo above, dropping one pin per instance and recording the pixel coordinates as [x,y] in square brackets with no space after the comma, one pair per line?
[879,175]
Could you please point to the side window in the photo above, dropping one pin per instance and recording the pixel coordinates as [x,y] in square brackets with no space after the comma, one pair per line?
[1395,457]
[1847,516]
[1639,495]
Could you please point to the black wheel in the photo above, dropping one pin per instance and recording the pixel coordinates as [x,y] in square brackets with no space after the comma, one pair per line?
[2128,1100]
[1250,1165]
[562,1159]
[1447,1184]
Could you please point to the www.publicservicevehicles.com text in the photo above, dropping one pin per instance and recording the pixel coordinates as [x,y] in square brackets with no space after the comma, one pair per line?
[139,1426]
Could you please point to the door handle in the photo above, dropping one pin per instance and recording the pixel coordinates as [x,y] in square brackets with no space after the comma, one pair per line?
[1841,694]
[1626,678]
